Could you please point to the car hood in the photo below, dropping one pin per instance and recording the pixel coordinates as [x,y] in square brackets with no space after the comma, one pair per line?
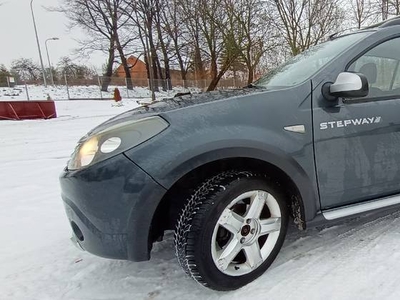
[173,104]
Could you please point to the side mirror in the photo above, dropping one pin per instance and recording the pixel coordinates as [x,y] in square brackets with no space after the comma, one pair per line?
[347,85]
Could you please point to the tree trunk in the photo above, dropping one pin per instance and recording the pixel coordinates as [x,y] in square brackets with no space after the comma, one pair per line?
[153,59]
[147,63]
[214,74]
[168,76]
[160,73]
[181,64]
[167,85]
[198,62]
[127,70]
[214,82]
[250,77]
[109,69]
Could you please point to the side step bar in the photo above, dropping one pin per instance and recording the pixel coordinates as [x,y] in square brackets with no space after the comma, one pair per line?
[336,213]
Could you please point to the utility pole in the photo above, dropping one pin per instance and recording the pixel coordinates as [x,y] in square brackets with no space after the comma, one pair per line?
[38,45]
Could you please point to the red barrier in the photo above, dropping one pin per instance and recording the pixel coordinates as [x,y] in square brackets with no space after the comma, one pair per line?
[22,110]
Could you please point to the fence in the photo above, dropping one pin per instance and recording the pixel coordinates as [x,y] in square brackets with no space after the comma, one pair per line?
[102,88]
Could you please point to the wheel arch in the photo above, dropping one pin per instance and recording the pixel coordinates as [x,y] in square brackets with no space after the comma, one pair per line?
[187,175]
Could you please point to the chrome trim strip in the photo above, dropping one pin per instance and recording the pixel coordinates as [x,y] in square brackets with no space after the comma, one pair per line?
[296,128]
[337,213]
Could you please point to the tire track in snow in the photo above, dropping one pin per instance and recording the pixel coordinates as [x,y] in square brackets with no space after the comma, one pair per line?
[329,257]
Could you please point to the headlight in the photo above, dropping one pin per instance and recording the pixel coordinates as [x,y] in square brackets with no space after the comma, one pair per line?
[114,140]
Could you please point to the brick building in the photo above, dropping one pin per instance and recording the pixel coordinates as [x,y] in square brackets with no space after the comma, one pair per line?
[139,72]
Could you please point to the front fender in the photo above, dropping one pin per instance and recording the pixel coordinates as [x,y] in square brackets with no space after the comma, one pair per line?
[166,161]
[269,155]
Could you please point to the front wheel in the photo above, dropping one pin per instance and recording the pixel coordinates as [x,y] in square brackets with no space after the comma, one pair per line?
[231,230]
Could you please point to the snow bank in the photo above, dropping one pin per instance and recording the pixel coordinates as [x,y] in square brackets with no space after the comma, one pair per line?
[59,92]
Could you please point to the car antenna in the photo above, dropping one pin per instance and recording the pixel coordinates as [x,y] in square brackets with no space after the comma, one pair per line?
[333,36]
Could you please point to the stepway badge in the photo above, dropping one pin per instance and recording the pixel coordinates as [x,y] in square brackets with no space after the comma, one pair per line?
[350,122]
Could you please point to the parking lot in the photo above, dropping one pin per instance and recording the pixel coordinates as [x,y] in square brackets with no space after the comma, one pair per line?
[359,259]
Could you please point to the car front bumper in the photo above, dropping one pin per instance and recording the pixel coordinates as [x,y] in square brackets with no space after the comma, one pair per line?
[110,206]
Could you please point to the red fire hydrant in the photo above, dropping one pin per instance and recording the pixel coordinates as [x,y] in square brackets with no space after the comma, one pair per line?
[117,95]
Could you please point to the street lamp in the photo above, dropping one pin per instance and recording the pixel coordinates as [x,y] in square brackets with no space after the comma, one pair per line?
[38,45]
[48,57]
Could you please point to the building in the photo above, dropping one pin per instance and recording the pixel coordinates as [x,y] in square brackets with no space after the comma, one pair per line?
[139,72]
[138,69]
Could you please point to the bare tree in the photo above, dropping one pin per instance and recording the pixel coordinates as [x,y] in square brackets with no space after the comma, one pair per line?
[4,73]
[103,23]
[304,23]
[143,20]
[212,37]
[384,6]
[253,17]
[66,67]
[216,34]
[385,9]
[25,69]
[174,27]
[393,7]
[191,20]
[220,42]
[363,11]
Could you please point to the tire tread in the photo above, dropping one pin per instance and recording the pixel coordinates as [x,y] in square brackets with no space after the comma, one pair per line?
[190,218]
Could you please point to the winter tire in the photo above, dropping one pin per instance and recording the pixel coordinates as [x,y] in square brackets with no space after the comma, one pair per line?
[231,230]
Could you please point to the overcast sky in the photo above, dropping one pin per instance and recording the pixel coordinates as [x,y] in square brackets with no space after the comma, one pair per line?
[17,36]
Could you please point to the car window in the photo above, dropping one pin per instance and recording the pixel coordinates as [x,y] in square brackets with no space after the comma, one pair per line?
[381,67]
[396,83]
[301,67]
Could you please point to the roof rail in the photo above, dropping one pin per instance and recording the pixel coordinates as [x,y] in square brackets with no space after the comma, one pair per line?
[386,23]
[390,22]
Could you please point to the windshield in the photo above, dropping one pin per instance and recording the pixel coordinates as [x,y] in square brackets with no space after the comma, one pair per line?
[301,67]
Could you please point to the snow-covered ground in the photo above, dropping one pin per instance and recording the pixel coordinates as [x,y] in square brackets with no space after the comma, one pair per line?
[359,259]
[60,92]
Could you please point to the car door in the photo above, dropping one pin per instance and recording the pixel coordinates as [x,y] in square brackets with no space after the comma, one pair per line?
[357,141]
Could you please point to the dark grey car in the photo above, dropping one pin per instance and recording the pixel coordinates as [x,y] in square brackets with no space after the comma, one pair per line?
[316,140]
